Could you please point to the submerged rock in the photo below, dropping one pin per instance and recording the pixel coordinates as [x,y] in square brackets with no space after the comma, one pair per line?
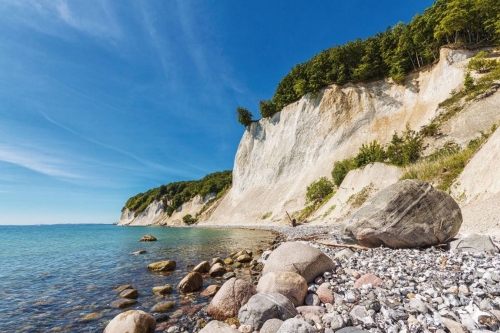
[123,303]
[202,267]
[163,290]
[410,213]
[129,293]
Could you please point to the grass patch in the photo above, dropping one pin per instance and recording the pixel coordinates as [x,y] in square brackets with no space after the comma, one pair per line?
[313,207]
[329,211]
[359,198]
[266,215]
[442,168]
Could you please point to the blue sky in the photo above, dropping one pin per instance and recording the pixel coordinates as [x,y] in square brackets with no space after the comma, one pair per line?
[101,100]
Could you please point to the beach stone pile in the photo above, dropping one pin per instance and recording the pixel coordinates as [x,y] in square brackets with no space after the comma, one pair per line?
[379,290]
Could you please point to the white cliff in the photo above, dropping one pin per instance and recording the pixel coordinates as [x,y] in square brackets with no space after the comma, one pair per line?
[279,157]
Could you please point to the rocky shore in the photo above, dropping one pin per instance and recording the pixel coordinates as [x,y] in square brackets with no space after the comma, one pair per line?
[406,273]
[377,290]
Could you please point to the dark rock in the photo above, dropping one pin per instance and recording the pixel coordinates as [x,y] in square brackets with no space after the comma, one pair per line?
[230,298]
[148,238]
[191,282]
[122,288]
[133,321]
[410,213]
[305,260]
[264,306]
[228,275]
[163,306]
[129,293]
[139,252]
[123,303]
[162,266]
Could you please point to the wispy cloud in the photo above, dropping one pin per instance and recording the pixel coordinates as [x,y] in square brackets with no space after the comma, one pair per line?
[33,159]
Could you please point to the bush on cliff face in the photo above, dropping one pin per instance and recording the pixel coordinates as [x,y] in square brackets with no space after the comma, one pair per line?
[189,219]
[319,190]
[244,116]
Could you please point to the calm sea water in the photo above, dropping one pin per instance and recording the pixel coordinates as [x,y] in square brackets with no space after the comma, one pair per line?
[51,277]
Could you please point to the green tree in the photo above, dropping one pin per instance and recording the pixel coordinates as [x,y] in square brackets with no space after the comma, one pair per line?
[341,169]
[404,149]
[468,82]
[244,116]
[267,108]
[319,190]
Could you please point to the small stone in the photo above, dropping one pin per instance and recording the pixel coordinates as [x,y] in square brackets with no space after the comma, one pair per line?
[228,275]
[453,290]
[123,303]
[228,261]
[139,252]
[132,321]
[162,290]
[325,294]
[312,299]
[369,278]
[92,316]
[163,306]
[463,289]
[129,293]
[216,260]
[210,291]
[344,254]
[418,305]
[191,282]
[122,288]
[244,258]
[245,329]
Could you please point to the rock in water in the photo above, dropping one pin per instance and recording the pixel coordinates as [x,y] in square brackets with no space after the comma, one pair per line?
[202,267]
[410,213]
[162,266]
[264,306]
[148,238]
[289,284]
[133,321]
[230,298]
[298,258]
[192,282]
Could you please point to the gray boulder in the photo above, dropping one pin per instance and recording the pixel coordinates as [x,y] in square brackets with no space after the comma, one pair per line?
[218,327]
[264,306]
[297,326]
[290,284]
[230,298]
[298,258]
[133,321]
[410,213]
[271,326]
[474,243]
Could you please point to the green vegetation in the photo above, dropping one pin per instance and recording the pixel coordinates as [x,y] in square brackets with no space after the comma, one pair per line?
[444,166]
[244,116]
[175,194]
[319,190]
[188,219]
[359,198]
[266,215]
[394,52]
[402,150]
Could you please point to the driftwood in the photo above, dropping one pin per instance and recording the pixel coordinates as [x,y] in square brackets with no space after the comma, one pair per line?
[349,246]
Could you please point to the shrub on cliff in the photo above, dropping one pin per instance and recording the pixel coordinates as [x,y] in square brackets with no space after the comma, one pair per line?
[341,169]
[188,219]
[319,190]
[244,116]
[370,153]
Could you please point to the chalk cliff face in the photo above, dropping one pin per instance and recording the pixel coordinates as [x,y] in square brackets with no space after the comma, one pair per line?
[279,157]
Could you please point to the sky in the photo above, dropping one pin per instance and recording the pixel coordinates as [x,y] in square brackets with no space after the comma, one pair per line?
[104,99]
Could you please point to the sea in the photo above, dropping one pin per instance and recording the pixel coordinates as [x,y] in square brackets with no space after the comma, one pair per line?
[62,278]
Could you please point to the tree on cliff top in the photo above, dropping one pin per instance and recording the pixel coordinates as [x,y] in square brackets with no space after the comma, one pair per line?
[244,116]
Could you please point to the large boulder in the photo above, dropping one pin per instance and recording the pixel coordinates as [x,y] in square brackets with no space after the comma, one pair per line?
[230,298]
[133,321]
[218,327]
[305,260]
[289,284]
[191,282]
[264,306]
[410,213]
[297,326]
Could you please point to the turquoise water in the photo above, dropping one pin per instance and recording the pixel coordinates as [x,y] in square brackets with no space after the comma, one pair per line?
[51,277]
